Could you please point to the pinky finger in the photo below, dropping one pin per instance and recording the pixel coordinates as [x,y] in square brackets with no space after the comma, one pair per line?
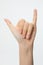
[35,17]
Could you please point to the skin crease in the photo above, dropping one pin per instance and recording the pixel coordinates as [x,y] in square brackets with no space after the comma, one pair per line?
[25,33]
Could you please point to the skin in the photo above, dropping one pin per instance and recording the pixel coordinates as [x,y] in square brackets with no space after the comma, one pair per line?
[25,33]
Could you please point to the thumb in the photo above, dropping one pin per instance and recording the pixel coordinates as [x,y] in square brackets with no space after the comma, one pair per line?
[13,30]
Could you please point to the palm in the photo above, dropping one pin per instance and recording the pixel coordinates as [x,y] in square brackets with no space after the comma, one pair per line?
[23,33]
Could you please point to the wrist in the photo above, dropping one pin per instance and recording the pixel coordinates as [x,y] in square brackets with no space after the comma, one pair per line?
[25,49]
[26,55]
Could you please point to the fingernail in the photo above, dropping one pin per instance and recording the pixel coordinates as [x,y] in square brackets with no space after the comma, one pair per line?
[23,35]
[27,36]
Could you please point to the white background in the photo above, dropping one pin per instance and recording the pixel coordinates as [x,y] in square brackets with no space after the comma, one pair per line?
[15,10]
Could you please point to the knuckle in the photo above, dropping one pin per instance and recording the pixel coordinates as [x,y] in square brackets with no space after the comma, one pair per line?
[22,20]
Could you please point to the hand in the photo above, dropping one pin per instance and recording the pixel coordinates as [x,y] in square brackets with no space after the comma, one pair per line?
[24,32]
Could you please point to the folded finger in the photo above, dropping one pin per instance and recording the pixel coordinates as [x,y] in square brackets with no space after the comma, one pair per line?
[25,28]
[29,32]
[20,25]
